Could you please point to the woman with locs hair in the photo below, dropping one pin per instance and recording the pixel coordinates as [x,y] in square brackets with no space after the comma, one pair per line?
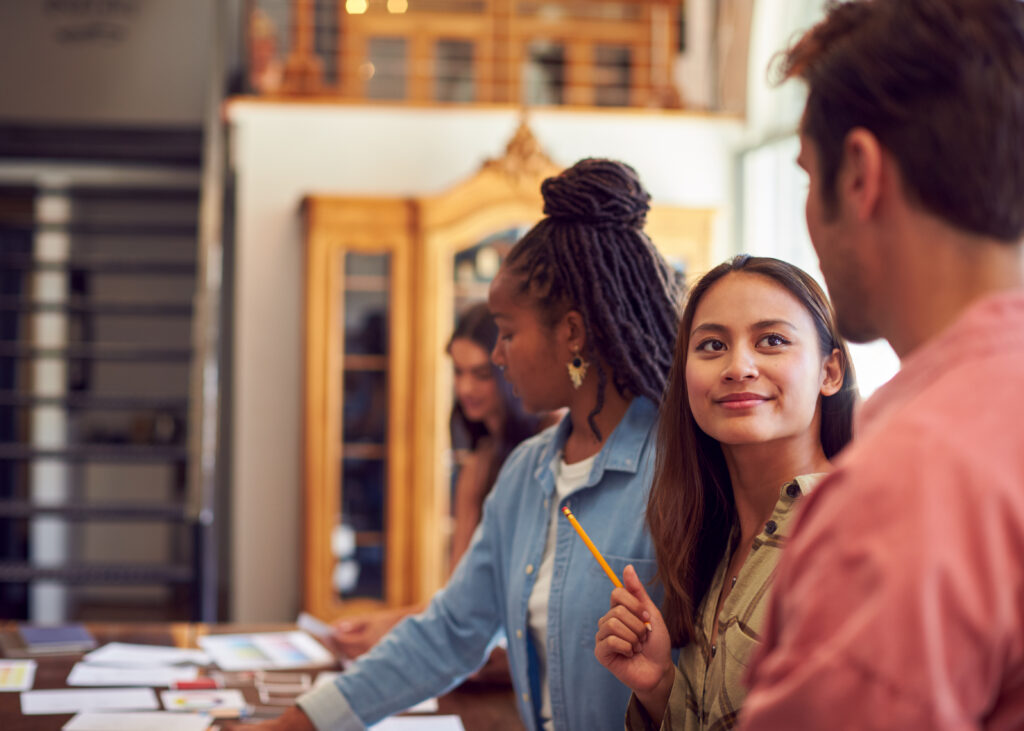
[587,312]
[760,398]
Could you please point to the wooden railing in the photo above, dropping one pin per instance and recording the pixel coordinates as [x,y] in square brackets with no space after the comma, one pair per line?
[576,52]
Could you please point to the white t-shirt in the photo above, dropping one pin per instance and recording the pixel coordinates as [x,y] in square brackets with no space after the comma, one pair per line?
[568,478]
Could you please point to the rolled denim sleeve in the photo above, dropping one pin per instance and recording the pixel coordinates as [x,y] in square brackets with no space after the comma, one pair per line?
[424,655]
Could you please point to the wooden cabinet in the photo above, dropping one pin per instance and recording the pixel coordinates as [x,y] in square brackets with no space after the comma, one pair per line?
[384,280]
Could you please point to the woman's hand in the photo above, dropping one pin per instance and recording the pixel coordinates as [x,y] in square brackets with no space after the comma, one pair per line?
[640,658]
[353,637]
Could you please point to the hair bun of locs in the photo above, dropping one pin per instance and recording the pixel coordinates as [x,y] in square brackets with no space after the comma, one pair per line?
[597,192]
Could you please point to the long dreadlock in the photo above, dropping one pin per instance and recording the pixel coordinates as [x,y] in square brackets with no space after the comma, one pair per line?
[590,254]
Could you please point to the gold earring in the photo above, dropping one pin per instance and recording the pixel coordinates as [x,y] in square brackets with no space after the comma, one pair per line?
[577,370]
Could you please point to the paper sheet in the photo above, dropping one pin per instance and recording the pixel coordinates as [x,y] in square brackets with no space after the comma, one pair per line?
[40,702]
[157,721]
[17,675]
[103,675]
[122,654]
[419,723]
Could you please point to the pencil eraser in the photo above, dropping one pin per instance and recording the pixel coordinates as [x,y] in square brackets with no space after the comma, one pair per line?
[565,509]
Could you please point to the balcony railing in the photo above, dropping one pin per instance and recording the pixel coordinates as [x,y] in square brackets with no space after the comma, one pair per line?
[607,53]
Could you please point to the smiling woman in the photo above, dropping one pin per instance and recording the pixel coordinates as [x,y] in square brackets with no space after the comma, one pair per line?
[760,398]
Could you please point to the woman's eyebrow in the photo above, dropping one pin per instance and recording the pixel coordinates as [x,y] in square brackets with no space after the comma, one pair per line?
[762,324]
[712,327]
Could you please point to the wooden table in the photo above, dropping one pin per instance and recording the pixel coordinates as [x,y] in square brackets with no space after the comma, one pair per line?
[481,707]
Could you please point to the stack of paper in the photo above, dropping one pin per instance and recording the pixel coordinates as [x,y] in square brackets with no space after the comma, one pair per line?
[123,664]
[124,655]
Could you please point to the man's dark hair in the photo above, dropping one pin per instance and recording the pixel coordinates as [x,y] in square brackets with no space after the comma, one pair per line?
[940,83]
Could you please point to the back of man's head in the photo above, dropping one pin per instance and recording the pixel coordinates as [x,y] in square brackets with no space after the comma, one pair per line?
[940,83]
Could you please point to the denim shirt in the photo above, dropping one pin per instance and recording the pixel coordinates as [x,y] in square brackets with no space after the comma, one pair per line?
[487,595]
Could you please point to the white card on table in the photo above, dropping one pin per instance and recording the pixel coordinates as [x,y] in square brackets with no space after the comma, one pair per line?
[40,702]
[154,721]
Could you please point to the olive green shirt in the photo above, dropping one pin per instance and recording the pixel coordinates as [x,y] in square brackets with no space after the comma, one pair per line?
[707,693]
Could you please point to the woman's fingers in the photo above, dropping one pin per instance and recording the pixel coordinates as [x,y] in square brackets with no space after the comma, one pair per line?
[621,623]
[614,646]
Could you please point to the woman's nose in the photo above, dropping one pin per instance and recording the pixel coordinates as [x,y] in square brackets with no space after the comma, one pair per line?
[741,366]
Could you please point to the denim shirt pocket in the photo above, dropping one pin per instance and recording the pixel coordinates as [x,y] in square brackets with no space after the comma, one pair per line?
[595,594]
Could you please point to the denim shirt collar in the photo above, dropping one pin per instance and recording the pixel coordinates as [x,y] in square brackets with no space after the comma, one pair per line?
[622,452]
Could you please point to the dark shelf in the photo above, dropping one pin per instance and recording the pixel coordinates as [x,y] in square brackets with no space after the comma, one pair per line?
[95,511]
[85,228]
[107,453]
[100,351]
[11,572]
[90,402]
[101,266]
[107,309]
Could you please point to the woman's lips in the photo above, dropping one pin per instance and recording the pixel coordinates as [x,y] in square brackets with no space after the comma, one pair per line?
[737,401]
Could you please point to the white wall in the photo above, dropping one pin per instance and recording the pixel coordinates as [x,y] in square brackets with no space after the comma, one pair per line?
[281,152]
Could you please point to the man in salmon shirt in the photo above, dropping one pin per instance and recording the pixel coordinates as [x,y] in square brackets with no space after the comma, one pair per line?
[899,602]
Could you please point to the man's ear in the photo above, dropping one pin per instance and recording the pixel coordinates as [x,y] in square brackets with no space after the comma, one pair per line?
[832,370]
[859,182]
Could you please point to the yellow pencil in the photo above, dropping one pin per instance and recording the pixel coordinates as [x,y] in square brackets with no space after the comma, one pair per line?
[591,546]
[593,549]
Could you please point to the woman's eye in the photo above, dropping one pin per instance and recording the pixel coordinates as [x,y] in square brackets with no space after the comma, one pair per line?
[773,340]
[711,346]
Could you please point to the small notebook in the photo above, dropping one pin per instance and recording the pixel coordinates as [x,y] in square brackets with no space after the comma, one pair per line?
[56,639]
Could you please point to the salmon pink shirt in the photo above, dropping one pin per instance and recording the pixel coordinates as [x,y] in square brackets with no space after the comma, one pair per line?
[899,601]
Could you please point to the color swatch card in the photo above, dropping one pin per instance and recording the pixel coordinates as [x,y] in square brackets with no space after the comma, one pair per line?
[266,651]
[155,721]
[202,700]
[17,675]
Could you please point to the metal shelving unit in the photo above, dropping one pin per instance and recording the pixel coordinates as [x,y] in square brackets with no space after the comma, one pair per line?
[98,284]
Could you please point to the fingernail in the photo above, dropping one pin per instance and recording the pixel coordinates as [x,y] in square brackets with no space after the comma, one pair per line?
[646,615]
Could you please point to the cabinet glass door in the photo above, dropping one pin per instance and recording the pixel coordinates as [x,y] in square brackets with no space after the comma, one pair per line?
[359,541]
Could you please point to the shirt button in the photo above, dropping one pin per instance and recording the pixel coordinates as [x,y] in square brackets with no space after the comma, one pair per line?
[770,527]
[519,634]
[526,697]
[529,568]
[793,490]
